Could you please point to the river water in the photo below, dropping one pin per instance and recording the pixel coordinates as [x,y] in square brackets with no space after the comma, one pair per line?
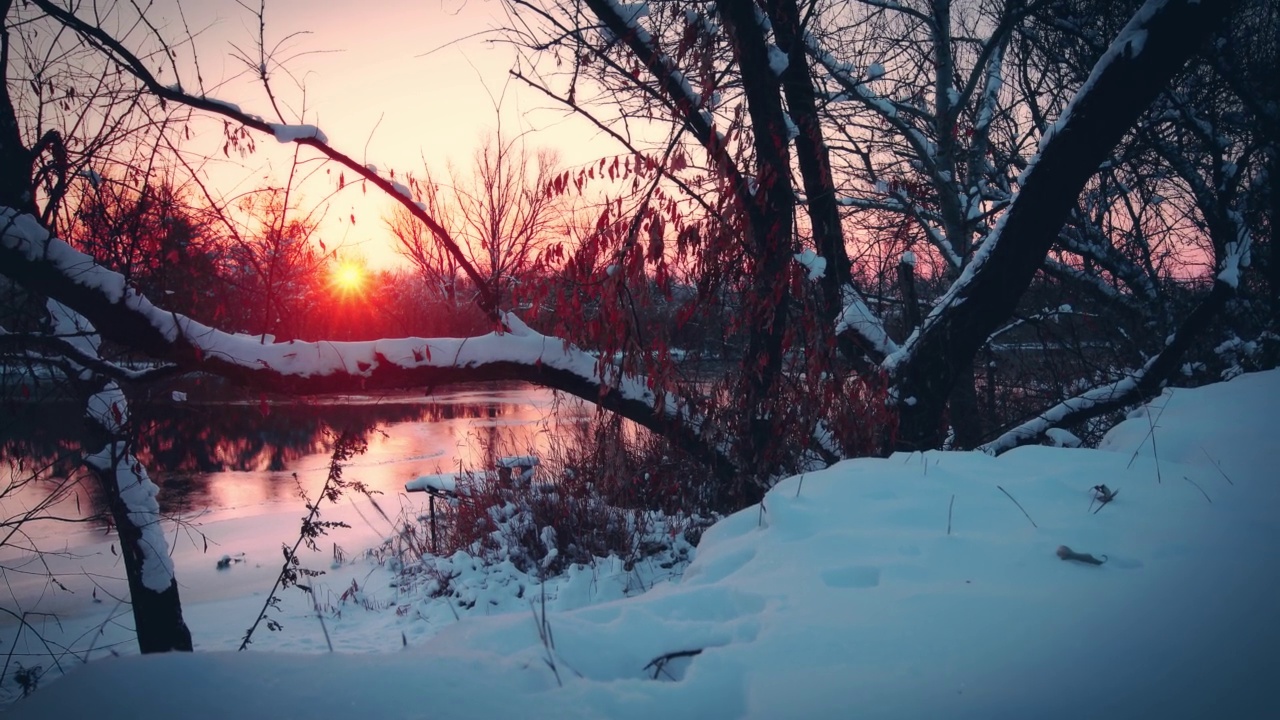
[232,472]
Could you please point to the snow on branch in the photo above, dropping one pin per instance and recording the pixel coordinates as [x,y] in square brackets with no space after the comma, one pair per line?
[857,317]
[814,264]
[1134,388]
[1084,238]
[990,93]
[1092,281]
[1055,314]
[1032,430]
[138,494]
[623,22]
[293,133]
[842,73]
[1237,253]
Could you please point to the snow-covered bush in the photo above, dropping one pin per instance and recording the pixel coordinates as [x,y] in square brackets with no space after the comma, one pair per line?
[543,526]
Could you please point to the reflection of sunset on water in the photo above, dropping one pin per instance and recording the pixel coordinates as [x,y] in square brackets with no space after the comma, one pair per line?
[450,436]
[239,456]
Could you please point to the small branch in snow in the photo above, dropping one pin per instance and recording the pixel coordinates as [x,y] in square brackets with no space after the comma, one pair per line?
[1024,510]
[1217,465]
[951,505]
[1102,495]
[659,664]
[1202,492]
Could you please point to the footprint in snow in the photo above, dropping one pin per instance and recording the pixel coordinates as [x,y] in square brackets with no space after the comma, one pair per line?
[854,576]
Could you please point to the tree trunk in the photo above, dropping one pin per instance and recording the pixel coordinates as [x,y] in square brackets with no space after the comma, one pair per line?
[768,216]
[966,420]
[157,616]
[812,156]
[1273,241]
[15,159]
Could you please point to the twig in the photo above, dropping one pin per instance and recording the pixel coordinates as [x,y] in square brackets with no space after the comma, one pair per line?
[1102,495]
[346,445]
[659,664]
[315,604]
[1152,424]
[1202,492]
[1216,465]
[951,505]
[544,634]
[1015,502]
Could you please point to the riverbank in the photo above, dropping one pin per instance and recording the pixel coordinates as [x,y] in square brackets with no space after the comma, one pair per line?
[922,585]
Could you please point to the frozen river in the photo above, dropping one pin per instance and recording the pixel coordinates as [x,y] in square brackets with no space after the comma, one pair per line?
[231,474]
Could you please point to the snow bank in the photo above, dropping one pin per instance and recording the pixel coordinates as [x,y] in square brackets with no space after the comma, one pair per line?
[918,586]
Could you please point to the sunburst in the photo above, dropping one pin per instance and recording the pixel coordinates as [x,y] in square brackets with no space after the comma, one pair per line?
[348,278]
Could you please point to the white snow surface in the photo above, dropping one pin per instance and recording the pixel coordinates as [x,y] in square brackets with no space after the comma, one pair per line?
[293,133]
[906,587]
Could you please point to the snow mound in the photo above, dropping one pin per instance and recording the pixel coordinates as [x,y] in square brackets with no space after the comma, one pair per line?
[917,586]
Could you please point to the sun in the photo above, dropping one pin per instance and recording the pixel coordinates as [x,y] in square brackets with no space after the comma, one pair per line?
[348,278]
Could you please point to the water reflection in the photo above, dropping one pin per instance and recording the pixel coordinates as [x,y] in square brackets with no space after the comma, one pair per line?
[232,455]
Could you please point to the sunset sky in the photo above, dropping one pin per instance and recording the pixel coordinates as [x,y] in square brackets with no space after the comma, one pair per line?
[410,80]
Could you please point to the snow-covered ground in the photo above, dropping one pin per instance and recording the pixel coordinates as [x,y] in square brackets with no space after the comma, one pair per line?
[918,586]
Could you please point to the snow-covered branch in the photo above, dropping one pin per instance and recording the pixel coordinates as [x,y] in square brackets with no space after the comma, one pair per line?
[858,318]
[1137,387]
[30,255]
[623,21]
[130,494]
[857,89]
[1082,237]
[1092,281]
[1109,396]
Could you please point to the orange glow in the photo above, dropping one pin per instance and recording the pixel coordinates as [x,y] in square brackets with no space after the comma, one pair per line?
[348,278]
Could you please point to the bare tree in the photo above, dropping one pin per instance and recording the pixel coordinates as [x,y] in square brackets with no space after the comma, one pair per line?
[65,117]
[505,214]
[498,209]
[737,85]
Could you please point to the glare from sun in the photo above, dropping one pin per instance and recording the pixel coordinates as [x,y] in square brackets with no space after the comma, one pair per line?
[348,278]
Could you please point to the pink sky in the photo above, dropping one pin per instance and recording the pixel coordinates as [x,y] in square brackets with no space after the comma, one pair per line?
[389,89]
